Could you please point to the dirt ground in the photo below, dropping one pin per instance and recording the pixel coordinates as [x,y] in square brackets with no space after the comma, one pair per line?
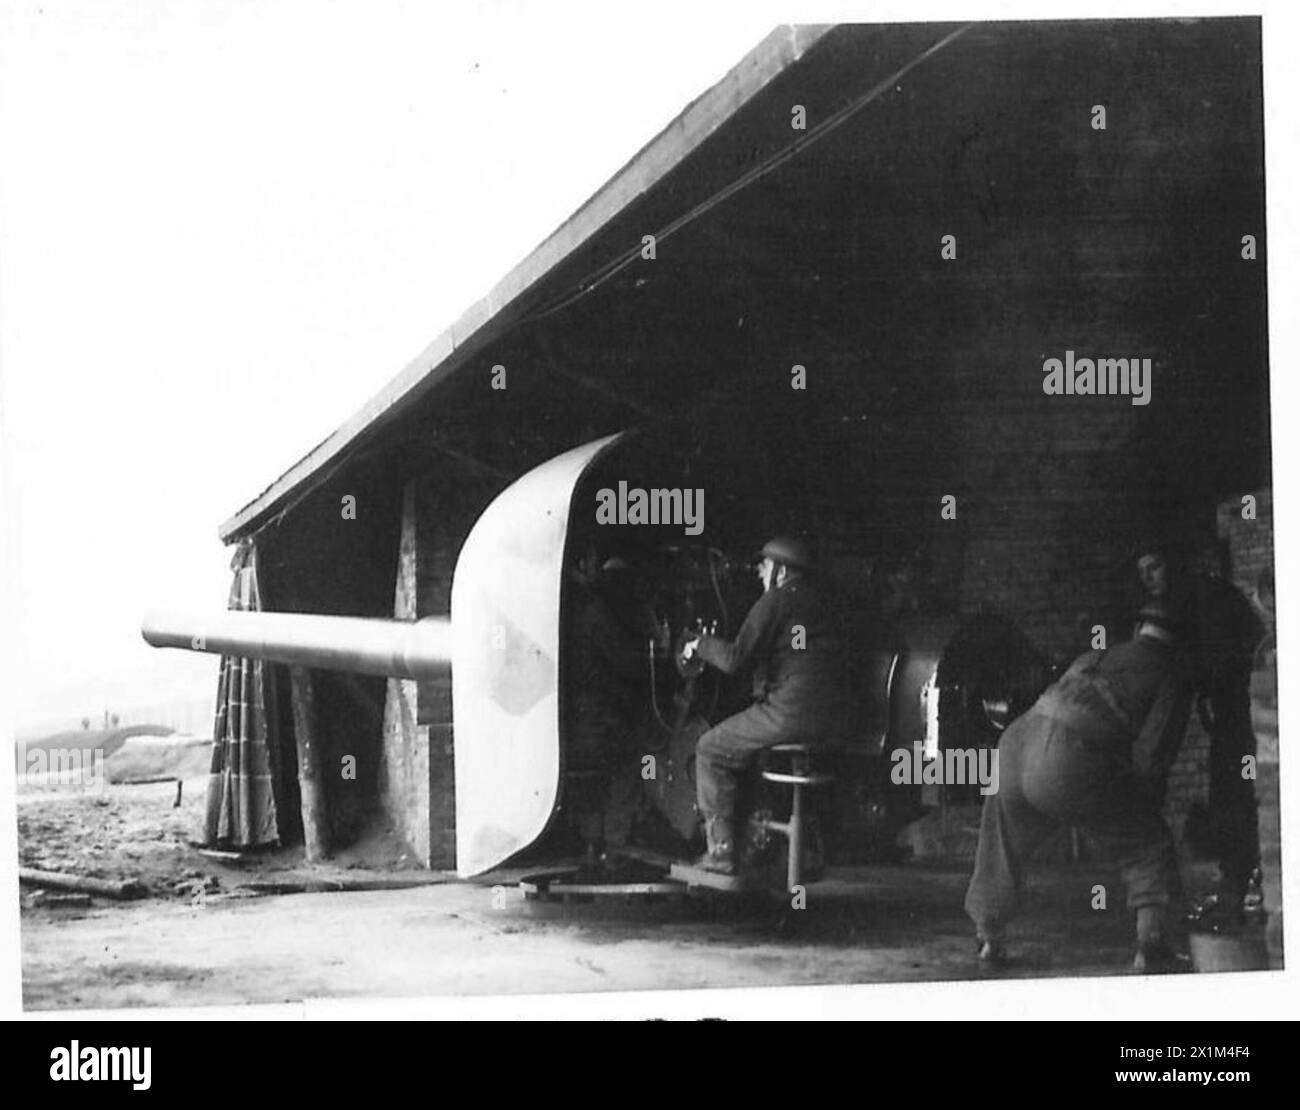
[886,924]
[214,933]
[124,832]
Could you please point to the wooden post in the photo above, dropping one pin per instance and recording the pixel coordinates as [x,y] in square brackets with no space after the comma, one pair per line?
[311,782]
[104,888]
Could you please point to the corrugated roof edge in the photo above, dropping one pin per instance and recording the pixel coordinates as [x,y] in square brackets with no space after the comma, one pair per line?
[474,328]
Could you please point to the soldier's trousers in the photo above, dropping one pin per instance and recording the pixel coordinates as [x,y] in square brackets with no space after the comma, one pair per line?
[1051,775]
[1232,795]
[603,787]
[727,751]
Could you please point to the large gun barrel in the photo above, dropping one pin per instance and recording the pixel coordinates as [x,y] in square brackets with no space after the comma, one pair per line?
[359,645]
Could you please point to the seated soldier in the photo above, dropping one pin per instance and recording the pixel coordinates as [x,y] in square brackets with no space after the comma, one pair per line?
[792,641]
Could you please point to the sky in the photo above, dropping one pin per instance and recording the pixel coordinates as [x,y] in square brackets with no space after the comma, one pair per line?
[225,225]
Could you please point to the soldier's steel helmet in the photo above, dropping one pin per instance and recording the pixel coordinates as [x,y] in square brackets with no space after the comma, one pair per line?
[790,551]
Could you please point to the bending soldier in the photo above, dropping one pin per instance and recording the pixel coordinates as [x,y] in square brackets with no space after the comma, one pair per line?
[1093,752]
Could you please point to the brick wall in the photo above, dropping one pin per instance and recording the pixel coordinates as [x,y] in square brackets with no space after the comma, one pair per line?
[1189,780]
[1249,542]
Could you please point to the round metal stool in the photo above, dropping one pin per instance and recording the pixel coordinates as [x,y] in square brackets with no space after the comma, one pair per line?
[800,775]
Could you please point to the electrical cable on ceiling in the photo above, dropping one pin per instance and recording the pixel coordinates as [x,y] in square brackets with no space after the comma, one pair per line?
[598,277]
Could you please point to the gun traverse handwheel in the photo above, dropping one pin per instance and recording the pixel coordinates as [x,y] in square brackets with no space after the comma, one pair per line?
[687,668]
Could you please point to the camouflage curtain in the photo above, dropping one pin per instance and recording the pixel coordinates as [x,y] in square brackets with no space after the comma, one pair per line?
[241,799]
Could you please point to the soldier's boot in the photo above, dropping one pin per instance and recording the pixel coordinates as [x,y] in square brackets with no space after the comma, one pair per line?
[990,948]
[720,834]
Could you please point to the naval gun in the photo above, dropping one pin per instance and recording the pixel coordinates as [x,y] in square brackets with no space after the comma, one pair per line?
[501,644]
[359,645]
